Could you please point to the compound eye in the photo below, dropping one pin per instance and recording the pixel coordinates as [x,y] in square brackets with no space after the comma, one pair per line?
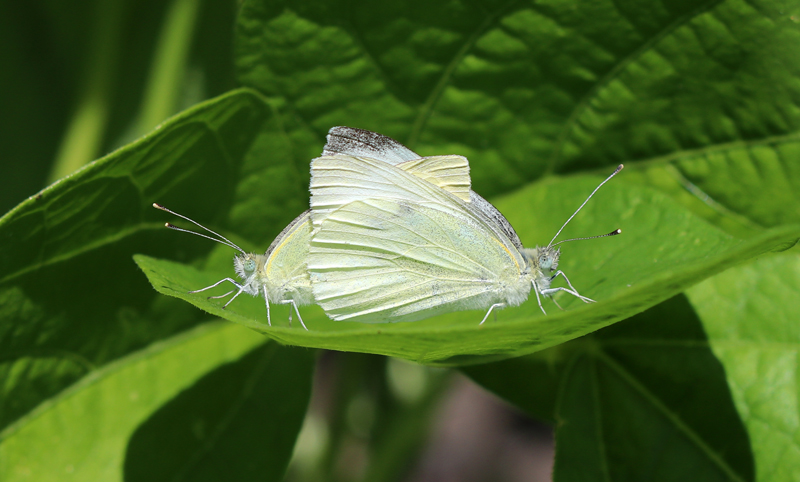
[250,265]
[545,262]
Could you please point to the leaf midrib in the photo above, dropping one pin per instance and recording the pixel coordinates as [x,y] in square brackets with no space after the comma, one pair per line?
[656,403]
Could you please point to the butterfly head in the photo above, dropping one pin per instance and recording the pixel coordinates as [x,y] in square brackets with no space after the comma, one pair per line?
[246,267]
[542,258]
[548,258]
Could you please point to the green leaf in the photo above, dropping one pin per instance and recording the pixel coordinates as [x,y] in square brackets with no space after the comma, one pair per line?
[743,188]
[698,100]
[529,382]
[70,297]
[750,314]
[650,386]
[663,251]
[523,89]
[645,399]
[211,403]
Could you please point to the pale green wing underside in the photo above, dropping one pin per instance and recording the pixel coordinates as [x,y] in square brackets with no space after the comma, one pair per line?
[381,260]
[341,179]
[409,250]
[450,173]
[285,267]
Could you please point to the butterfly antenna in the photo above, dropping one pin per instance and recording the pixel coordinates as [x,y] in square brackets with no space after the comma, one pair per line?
[619,168]
[612,233]
[222,240]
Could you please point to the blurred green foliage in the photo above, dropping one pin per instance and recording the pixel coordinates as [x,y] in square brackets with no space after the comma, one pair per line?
[686,368]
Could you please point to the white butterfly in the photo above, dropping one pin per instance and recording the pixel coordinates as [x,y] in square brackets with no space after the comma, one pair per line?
[280,275]
[362,143]
[410,250]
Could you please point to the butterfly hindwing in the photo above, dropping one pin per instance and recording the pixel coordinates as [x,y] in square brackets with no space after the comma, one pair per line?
[389,246]
[359,142]
[382,260]
[285,267]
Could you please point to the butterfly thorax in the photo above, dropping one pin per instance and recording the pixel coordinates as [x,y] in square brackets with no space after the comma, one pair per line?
[252,269]
[543,261]
[294,285]
[516,293]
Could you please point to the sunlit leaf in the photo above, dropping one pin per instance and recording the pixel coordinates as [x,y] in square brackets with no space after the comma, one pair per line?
[663,250]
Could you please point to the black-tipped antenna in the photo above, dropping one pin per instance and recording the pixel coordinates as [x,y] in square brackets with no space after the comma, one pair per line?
[619,168]
[612,233]
[225,241]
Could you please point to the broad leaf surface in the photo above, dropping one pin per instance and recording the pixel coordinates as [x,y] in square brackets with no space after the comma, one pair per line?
[751,314]
[71,299]
[699,100]
[213,403]
[645,399]
[527,88]
[663,250]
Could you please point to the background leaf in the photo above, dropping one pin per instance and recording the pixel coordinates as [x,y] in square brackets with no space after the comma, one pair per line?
[525,89]
[750,314]
[118,414]
[47,61]
[79,235]
[644,399]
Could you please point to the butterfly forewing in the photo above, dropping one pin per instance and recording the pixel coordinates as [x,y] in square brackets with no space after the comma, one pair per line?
[341,179]
[387,260]
[358,142]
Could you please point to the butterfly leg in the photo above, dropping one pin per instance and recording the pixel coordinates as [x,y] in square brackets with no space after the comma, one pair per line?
[266,300]
[291,302]
[220,296]
[217,284]
[232,298]
[550,291]
[538,300]
[571,289]
[241,288]
[496,305]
